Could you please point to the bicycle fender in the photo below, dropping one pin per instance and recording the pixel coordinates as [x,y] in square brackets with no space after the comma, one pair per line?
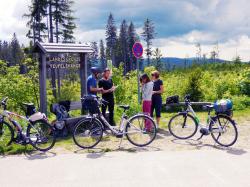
[183,113]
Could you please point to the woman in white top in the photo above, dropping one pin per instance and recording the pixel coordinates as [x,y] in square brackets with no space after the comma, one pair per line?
[147,91]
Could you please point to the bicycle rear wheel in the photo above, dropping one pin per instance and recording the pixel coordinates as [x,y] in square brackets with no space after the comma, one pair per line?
[88,133]
[223,130]
[6,134]
[41,135]
[141,130]
[182,126]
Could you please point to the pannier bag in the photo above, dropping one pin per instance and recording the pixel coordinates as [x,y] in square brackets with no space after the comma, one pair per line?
[172,99]
[223,106]
[90,103]
[30,110]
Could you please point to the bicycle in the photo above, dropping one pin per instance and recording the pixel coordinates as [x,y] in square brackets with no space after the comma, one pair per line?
[39,133]
[139,129]
[221,127]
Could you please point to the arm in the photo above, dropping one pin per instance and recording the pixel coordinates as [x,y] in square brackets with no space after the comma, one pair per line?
[92,89]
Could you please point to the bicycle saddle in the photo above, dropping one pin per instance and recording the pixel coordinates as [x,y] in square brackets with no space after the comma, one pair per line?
[125,107]
[28,104]
[210,107]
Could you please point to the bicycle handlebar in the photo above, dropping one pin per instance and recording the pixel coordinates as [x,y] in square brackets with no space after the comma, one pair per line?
[4,102]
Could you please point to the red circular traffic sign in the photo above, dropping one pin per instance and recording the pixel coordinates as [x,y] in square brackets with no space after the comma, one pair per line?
[137,50]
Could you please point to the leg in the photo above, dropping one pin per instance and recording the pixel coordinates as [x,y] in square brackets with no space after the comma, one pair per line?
[104,108]
[158,111]
[152,109]
[111,112]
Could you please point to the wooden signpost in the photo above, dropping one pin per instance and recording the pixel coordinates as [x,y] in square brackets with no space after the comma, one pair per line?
[56,53]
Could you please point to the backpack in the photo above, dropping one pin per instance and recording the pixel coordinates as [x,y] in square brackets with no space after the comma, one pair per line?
[172,99]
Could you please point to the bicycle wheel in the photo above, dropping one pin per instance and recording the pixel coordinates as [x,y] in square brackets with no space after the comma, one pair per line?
[6,134]
[140,130]
[88,133]
[41,135]
[182,126]
[223,130]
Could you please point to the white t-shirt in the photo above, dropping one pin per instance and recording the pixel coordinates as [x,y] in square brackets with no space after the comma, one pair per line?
[147,91]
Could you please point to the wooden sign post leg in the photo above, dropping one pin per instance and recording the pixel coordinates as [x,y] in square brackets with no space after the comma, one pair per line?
[42,82]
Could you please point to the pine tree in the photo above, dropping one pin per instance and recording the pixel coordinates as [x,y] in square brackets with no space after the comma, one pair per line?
[148,35]
[1,48]
[37,12]
[6,56]
[111,38]
[123,42]
[102,56]
[157,59]
[16,51]
[132,38]
[93,57]
[64,21]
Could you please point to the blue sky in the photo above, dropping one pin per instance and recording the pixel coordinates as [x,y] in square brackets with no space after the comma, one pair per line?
[179,24]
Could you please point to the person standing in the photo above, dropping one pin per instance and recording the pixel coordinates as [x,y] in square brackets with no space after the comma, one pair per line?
[147,91]
[156,97]
[108,88]
[92,82]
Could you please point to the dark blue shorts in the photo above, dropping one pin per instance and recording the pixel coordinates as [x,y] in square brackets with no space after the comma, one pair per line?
[156,106]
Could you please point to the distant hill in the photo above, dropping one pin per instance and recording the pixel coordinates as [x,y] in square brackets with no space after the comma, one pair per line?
[173,62]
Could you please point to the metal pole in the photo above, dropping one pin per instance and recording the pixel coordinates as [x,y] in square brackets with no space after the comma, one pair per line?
[138,81]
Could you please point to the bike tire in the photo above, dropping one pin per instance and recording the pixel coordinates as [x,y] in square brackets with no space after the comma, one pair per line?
[4,126]
[151,132]
[39,138]
[185,116]
[219,119]
[91,127]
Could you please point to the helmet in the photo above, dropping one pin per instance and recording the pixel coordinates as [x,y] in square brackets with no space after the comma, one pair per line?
[95,70]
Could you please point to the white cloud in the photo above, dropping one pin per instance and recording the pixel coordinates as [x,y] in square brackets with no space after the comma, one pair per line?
[182,47]
[179,23]
[11,19]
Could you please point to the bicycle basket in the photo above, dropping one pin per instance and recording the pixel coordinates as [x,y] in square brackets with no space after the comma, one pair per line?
[223,106]
[90,104]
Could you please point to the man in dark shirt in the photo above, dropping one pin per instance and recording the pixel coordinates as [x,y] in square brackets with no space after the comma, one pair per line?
[108,87]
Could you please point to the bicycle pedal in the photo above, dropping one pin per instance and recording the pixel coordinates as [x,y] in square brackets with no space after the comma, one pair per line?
[119,135]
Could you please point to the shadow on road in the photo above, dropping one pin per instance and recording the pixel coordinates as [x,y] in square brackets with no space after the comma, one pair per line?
[197,144]
[39,155]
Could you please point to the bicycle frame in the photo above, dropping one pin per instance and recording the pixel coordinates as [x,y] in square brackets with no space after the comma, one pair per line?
[121,129]
[209,118]
[10,116]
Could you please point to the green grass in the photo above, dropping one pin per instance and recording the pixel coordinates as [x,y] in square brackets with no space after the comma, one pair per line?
[240,116]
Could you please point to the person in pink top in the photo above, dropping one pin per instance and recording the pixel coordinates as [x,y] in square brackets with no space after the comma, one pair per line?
[147,91]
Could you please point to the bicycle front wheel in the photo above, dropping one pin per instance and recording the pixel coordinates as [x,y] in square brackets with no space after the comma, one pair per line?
[6,134]
[141,130]
[88,133]
[182,126]
[41,135]
[223,130]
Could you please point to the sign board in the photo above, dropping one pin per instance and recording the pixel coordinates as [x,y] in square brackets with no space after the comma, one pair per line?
[63,61]
[137,50]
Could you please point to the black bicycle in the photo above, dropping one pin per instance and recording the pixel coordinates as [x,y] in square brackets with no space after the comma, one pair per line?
[221,126]
[40,134]
[140,129]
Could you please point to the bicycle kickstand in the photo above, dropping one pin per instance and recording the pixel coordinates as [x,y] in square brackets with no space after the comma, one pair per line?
[200,136]
[120,142]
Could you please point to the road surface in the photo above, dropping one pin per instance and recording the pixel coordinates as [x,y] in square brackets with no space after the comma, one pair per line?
[158,168]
